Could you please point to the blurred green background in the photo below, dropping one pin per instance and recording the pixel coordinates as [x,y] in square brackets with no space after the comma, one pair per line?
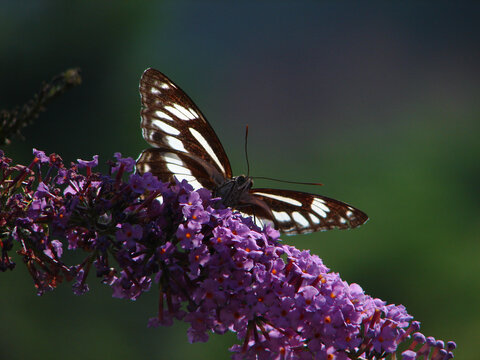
[380,102]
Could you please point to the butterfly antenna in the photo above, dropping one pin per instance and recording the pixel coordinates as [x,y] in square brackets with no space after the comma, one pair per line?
[246,152]
[286,181]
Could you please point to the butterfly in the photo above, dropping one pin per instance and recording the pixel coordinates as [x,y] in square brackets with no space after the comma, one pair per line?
[186,147]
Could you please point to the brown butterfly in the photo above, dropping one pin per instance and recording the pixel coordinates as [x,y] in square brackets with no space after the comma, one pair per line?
[186,147]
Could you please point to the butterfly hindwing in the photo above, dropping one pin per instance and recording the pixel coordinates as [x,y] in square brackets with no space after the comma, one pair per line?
[295,212]
[171,120]
[166,164]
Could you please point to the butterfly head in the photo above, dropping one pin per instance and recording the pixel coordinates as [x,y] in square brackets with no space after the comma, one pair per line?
[243,181]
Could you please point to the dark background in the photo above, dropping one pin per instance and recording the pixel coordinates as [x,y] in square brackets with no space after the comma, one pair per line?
[379,102]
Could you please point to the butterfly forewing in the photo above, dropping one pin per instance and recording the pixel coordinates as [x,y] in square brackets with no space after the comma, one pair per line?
[295,212]
[171,120]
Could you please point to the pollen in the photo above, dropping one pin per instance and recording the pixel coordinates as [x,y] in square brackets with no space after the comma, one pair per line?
[247,249]
[328,319]
[219,239]
[188,235]
[333,296]
[260,299]
[330,357]
[274,271]
[197,257]
[194,217]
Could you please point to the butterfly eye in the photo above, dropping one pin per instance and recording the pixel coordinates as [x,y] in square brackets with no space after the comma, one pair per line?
[243,183]
[241,179]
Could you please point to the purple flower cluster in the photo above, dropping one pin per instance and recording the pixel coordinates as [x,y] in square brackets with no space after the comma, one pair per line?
[214,268]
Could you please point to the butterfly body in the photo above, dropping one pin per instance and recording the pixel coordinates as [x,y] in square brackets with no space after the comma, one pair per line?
[234,190]
[186,147]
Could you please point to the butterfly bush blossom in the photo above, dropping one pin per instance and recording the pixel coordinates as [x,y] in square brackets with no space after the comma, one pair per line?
[213,268]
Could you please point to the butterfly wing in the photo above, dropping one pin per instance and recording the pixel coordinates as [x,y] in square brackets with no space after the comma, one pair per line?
[171,121]
[295,212]
[165,163]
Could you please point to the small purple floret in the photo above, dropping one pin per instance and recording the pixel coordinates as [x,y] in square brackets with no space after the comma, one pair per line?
[127,163]
[451,345]
[409,355]
[419,337]
[40,155]
[91,164]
